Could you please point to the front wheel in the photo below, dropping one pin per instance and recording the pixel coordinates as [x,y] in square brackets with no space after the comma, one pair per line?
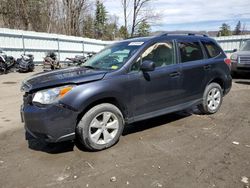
[212,99]
[100,127]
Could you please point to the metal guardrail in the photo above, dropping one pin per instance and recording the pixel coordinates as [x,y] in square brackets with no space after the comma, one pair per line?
[241,41]
[16,42]
[229,43]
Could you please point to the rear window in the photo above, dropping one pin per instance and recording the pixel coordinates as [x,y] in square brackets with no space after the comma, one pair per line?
[211,48]
[190,51]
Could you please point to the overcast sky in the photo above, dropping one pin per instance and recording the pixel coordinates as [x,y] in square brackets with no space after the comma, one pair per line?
[192,14]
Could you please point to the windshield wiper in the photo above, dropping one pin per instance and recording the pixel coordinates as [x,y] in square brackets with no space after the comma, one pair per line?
[89,67]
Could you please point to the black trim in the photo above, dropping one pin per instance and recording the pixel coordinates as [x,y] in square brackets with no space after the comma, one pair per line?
[165,111]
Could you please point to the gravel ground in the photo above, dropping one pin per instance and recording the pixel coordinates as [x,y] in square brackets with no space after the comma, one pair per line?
[178,150]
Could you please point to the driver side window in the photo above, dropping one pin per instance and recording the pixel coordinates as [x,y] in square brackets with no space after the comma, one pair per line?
[162,54]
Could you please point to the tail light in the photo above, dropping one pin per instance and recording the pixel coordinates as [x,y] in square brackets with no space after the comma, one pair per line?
[228,62]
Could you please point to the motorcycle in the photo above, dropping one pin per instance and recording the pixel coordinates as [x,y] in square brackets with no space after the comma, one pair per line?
[76,61]
[90,54]
[6,62]
[26,63]
[79,60]
[50,62]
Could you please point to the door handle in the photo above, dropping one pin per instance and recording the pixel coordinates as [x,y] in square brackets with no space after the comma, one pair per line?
[174,74]
[207,67]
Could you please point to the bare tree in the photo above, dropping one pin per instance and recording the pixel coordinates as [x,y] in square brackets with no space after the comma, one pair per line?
[25,15]
[72,12]
[138,6]
[244,29]
[125,5]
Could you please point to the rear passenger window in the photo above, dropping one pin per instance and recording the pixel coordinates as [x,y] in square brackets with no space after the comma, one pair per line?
[190,51]
[211,48]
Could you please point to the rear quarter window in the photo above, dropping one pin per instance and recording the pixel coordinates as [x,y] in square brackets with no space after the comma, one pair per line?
[211,48]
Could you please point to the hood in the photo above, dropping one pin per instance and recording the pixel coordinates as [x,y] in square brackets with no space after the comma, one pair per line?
[75,75]
[242,53]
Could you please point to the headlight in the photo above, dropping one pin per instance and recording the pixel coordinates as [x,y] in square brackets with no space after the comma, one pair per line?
[50,96]
[234,57]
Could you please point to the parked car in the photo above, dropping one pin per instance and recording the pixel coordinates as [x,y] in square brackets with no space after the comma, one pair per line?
[132,80]
[26,63]
[241,59]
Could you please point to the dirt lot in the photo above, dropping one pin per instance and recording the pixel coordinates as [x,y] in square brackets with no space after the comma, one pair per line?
[179,150]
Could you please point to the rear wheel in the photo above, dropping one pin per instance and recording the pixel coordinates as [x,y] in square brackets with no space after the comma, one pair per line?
[212,99]
[31,68]
[100,127]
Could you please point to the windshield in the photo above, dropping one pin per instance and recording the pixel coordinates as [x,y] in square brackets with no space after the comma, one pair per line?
[113,57]
[246,46]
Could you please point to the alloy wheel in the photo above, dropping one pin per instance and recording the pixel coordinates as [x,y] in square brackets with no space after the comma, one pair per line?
[213,99]
[103,128]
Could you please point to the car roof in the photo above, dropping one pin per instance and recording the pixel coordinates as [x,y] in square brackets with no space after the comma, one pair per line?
[169,36]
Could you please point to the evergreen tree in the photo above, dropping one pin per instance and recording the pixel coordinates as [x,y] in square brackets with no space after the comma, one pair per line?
[237,30]
[143,29]
[224,30]
[88,27]
[123,32]
[100,19]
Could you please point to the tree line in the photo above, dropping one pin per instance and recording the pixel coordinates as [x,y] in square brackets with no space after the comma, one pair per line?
[87,18]
[225,29]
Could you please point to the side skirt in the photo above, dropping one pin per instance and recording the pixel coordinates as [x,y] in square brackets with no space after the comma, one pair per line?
[164,111]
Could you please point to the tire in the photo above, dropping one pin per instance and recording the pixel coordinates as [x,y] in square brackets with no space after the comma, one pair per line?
[31,68]
[212,99]
[93,130]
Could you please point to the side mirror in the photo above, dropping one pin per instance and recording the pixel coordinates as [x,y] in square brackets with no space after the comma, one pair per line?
[234,50]
[147,66]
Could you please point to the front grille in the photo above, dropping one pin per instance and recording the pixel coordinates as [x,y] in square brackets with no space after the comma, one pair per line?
[27,98]
[244,59]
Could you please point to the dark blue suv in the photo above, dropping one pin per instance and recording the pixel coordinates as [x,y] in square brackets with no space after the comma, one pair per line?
[129,81]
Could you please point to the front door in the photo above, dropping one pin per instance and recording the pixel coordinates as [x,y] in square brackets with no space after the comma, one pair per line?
[155,90]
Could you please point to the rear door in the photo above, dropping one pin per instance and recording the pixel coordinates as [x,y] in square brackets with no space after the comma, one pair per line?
[215,59]
[194,67]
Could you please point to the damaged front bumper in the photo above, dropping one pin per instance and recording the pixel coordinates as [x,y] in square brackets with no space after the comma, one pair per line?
[52,123]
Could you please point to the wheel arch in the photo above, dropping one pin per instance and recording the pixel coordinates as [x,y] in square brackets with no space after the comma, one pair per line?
[111,100]
[219,81]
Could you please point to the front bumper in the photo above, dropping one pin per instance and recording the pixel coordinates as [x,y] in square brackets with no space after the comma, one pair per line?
[53,123]
[240,67]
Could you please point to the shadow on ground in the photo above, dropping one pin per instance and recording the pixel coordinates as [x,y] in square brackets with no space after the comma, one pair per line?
[155,122]
[68,146]
[52,148]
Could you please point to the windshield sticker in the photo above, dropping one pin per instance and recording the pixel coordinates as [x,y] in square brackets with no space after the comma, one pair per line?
[114,67]
[136,43]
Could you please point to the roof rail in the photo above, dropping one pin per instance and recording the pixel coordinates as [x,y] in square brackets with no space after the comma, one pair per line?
[190,34]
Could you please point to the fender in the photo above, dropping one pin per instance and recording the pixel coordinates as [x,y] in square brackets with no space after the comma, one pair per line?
[219,76]
[84,95]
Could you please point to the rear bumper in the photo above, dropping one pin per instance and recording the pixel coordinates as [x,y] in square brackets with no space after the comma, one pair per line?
[52,123]
[228,84]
